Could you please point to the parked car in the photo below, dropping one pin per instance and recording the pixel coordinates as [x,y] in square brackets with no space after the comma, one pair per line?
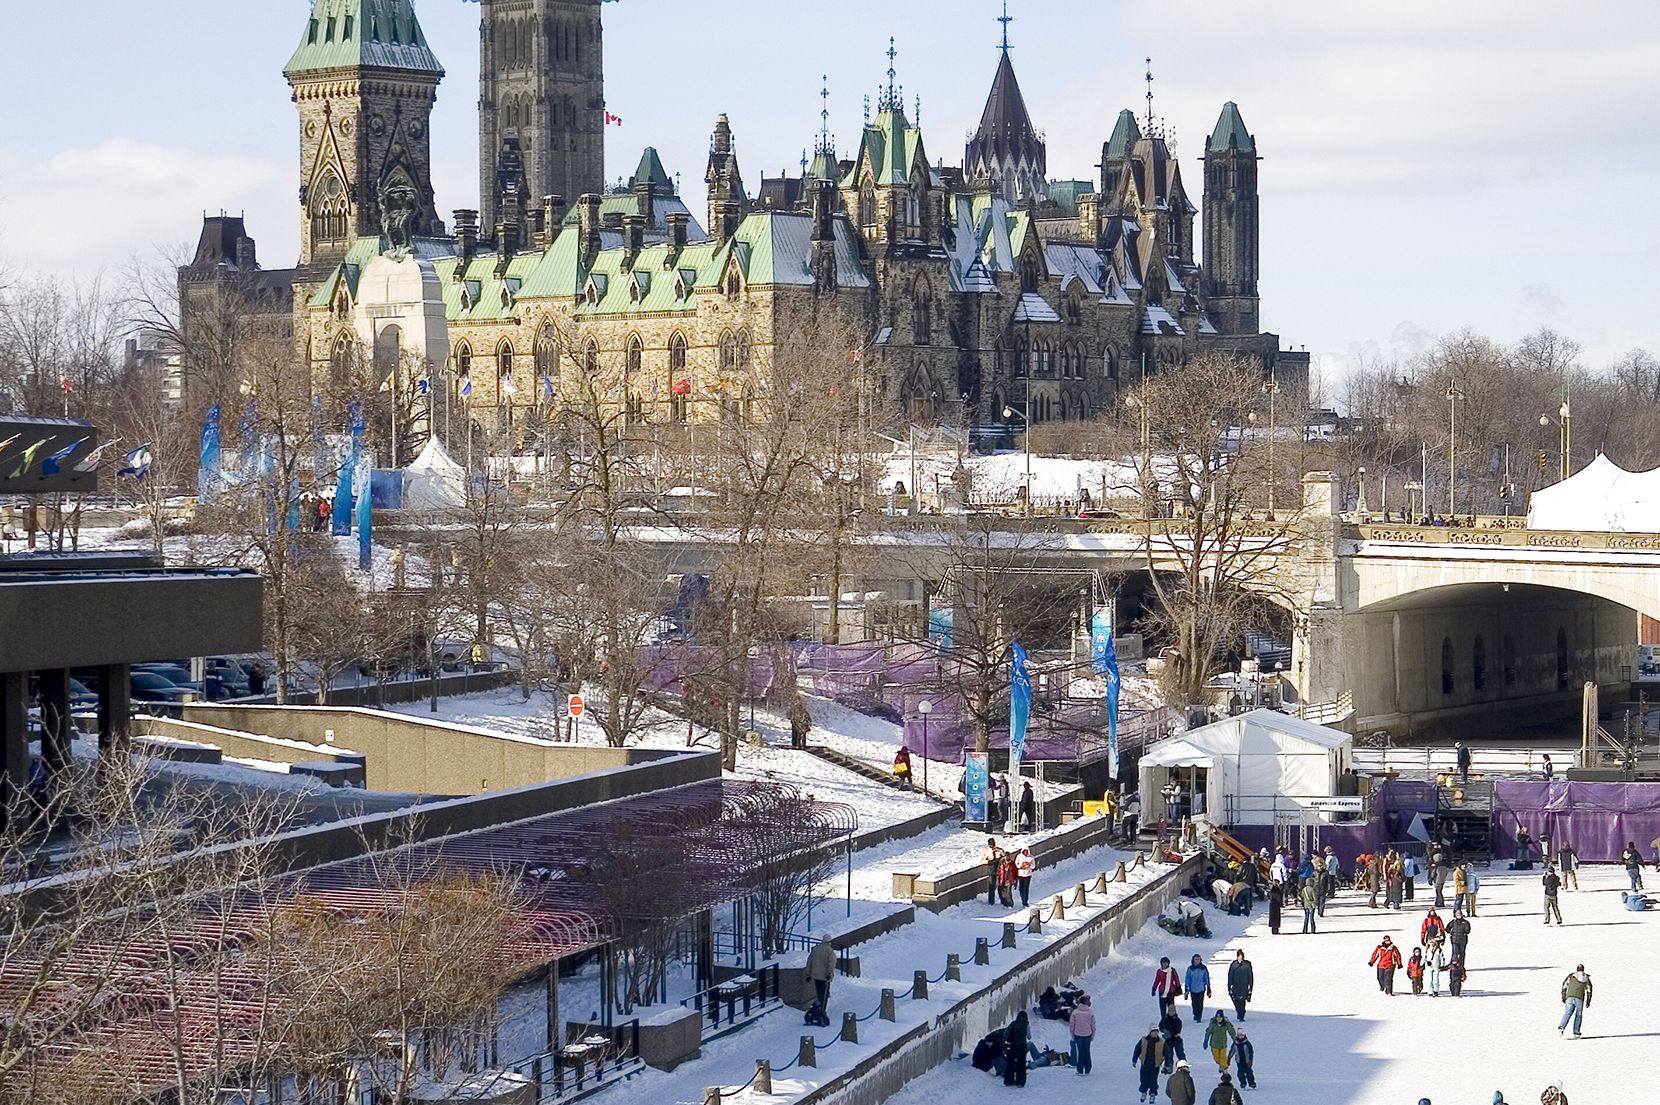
[147,686]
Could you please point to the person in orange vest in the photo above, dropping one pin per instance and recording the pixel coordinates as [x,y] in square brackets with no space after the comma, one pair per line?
[902,765]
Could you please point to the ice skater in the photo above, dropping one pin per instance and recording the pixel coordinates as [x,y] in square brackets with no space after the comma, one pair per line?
[1218,1037]
[1198,986]
[1148,1054]
[1553,883]
[1386,957]
[1241,982]
[1576,999]
[1180,1088]
[1633,861]
[1167,985]
[1567,863]
[1225,1094]
[1243,1054]
[1458,936]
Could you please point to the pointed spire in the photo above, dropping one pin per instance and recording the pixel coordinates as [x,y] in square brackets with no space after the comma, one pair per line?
[1230,132]
[892,97]
[1125,134]
[1149,95]
[824,142]
[1005,19]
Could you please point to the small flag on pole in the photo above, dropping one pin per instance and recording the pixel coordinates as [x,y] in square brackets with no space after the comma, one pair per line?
[386,384]
[466,386]
[423,386]
[137,464]
[507,387]
[613,120]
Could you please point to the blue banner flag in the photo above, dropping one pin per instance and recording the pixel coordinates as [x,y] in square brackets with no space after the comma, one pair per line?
[53,462]
[976,776]
[1020,706]
[341,522]
[1105,659]
[941,622]
[138,463]
[207,477]
[365,500]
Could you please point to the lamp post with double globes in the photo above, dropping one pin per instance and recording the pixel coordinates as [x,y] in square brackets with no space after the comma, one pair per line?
[925,708]
[1026,440]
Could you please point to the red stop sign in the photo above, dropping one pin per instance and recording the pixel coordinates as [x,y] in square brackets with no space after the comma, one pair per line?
[575,705]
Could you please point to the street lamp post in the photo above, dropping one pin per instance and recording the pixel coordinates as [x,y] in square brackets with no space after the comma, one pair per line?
[1272,387]
[1564,431]
[1026,440]
[925,708]
[1453,396]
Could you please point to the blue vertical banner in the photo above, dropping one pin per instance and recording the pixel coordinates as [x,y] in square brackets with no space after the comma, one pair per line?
[342,521]
[941,622]
[1104,658]
[1020,706]
[365,512]
[976,777]
[207,477]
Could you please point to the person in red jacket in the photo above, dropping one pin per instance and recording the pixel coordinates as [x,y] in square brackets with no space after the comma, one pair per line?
[1432,927]
[1167,985]
[1386,957]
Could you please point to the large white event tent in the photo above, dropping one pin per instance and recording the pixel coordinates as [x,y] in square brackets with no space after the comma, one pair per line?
[434,481]
[1245,770]
[1602,497]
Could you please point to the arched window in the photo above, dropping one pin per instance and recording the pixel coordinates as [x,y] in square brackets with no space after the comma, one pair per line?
[1111,365]
[1478,663]
[1446,665]
[733,285]
[590,360]
[1022,357]
[746,349]
[867,205]
[463,361]
[504,359]
[1029,273]
[546,355]
[329,210]
[1507,659]
[340,363]
[922,313]
[728,353]
[679,384]
[1561,658]
[635,358]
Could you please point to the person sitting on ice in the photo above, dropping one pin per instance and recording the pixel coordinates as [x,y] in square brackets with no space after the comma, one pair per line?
[1636,902]
[1185,918]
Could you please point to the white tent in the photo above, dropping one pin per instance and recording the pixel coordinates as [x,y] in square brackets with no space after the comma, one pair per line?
[1248,768]
[1601,497]
[434,481]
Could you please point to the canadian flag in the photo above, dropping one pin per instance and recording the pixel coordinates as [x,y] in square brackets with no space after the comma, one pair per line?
[613,120]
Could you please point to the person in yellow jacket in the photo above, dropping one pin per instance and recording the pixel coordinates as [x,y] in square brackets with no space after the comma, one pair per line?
[902,765]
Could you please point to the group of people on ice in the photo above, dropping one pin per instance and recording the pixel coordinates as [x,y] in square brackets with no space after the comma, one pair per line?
[1162,1049]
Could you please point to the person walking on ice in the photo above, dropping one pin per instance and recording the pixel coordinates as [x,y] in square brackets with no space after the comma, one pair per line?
[1576,999]
[1553,883]
[1167,985]
[1386,957]
[1148,1054]
[1082,1026]
[1219,1037]
[1633,860]
[1180,1088]
[1225,1094]
[1241,982]
[1198,986]
[1567,862]
[1243,1054]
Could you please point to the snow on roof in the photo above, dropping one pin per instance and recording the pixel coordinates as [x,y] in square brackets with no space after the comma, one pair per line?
[1034,308]
[1156,320]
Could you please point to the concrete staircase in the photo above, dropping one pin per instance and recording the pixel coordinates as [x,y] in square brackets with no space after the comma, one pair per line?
[872,772]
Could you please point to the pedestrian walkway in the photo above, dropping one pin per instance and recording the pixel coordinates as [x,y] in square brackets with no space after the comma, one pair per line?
[1324,1035]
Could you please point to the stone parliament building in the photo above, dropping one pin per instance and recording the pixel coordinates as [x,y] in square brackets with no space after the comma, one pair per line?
[976,288]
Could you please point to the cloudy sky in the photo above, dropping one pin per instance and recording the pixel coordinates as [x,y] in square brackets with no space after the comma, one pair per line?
[1427,165]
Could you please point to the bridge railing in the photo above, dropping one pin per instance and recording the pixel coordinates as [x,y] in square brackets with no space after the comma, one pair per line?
[1505,536]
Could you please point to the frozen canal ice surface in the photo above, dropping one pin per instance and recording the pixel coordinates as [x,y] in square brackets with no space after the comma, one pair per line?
[1325,1035]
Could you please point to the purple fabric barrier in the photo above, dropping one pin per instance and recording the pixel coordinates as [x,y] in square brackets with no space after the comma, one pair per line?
[1347,840]
[1598,818]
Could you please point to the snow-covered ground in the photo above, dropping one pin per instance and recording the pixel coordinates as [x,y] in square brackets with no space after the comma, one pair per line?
[1000,475]
[1325,1035]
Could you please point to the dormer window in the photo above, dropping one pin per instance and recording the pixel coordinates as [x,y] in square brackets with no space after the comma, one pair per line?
[733,285]
[466,300]
[506,299]
[328,34]
[679,288]
[347,34]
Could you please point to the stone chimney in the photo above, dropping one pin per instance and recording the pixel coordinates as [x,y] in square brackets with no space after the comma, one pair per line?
[724,219]
[1089,216]
[588,225]
[643,198]
[634,238]
[466,236]
[679,225]
[824,235]
[553,217]
[246,258]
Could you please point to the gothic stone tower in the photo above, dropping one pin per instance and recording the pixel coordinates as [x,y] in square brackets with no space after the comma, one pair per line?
[1006,152]
[1231,224]
[542,80]
[364,81]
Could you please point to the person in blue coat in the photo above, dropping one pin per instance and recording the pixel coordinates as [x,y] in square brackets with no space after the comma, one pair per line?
[1197,982]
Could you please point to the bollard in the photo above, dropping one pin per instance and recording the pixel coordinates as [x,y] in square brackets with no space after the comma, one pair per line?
[809,1053]
[887,1013]
[1057,909]
[1008,934]
[1100,886]
[763,1076]
[919,985]
[982,951]
[711,1095]
[1079,897]
[1122,874]
[954,967]
[850,1027]
[1140,860]
[1034,922]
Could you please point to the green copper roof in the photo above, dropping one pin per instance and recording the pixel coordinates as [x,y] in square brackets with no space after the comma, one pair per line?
[1124,135]
[348,34]
[1230,132]
[824,165]
[891,143]
[651,169]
